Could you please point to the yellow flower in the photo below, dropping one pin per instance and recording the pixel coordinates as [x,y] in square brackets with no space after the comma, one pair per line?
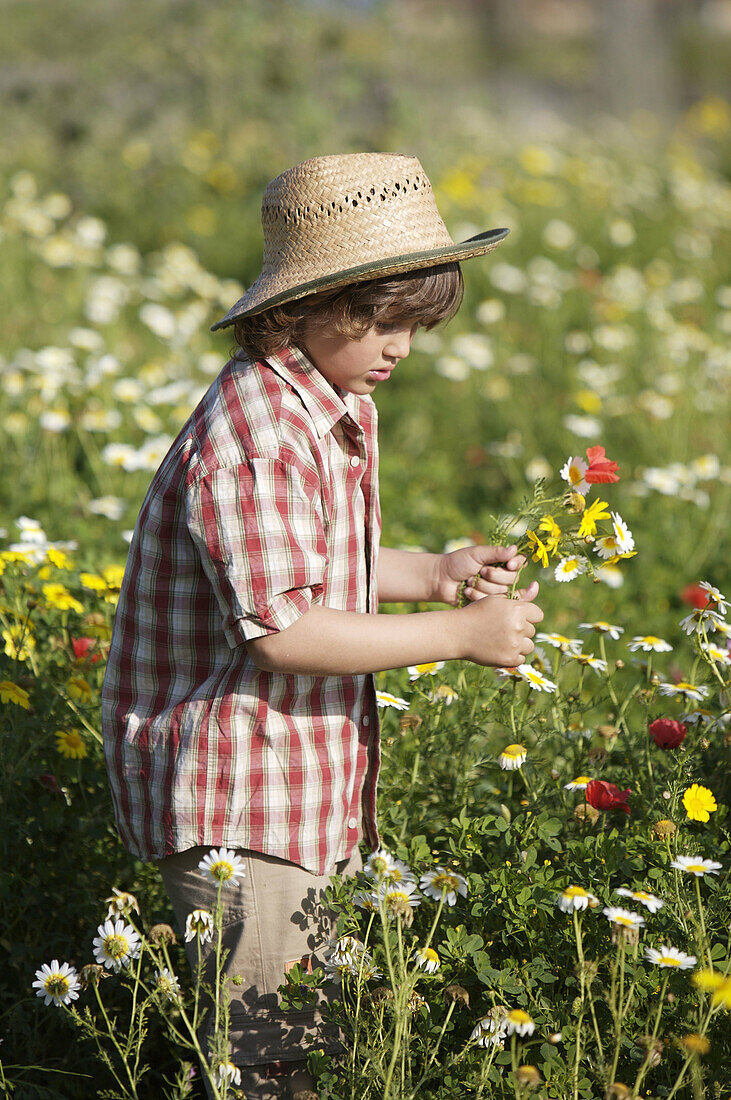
[93,581]
[58,558]
[712,981]
[699,803]
[71,744]
[58,596]
[79,689]
[694,1043]
[19,643]
[591,516]
[538,549]
[11,693]
[553,533]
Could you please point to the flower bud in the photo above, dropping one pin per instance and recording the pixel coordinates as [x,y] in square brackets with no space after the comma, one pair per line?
[528,1076]
[585,812]
[409,722]
[618,1091]
[161,934]
[555,1038]
[574,502]
[457,993]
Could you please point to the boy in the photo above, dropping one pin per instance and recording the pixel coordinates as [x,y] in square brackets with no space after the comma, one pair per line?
[239,704]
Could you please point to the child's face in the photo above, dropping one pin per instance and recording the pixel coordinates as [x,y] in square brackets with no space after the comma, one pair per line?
[357,366]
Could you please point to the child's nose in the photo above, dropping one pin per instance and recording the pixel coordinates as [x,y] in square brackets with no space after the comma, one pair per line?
[400,344]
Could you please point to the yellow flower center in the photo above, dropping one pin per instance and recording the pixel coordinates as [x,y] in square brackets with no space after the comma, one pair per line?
[668,960]
[222,870]
[445,882]
[695,867]
[518,1016]
[116,946]
[57,985]
[574,892]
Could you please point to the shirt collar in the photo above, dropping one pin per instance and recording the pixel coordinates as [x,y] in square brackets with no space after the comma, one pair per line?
[325,404]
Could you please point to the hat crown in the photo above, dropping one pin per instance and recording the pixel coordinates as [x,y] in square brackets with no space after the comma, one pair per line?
[331,213]
[332,221]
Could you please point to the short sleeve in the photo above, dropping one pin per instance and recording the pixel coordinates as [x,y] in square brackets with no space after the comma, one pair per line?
[259,531]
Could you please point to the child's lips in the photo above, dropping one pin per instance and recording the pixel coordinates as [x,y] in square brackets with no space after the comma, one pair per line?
[382,374]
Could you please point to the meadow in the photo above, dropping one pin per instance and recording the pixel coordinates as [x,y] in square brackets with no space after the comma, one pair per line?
[550,912]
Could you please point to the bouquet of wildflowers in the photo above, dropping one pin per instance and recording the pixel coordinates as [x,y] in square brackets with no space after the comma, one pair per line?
[563,525]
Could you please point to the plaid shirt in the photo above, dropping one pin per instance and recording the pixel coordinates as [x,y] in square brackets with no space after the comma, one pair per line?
[266,503]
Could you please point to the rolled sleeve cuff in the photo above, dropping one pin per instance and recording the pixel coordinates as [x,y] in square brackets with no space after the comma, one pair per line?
[282,611]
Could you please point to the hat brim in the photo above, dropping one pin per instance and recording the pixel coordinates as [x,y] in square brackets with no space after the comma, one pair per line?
[479,245]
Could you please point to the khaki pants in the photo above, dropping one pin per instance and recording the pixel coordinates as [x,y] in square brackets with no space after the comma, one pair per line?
[274,918]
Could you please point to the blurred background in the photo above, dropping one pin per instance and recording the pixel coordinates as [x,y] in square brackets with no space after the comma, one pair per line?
[166,117]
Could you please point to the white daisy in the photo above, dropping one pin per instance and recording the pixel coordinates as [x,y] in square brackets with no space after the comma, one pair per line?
[226,1071]
[696,865]
[512,757]
[427,959]
[601,627]
[223,867]
[385,699]
[701,618]
[535,679]
[116,944]
[121,904]
[560,641]
[648,900]
[623,917]
[57,983]
[367,900]
[649,643]
[383,867]
[429,668]
[579,784]
[575,898]
[715,598]
[199,923]
[590,661]
[442,883]
[344,949]
[573,472]
[622,534]
[491,1030]
[568,568]
[400,899]
[443,694]
[698,717]
[519,1022]
[684,690]
[670,957]
[716,654]
[166,984]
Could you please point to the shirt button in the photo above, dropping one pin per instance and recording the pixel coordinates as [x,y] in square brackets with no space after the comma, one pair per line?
[366,720]
[352,822]
[355,461]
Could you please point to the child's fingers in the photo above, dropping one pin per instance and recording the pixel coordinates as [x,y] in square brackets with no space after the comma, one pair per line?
[496,575]
[482,588]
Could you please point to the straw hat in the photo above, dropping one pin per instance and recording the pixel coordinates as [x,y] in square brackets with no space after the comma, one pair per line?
[336,220]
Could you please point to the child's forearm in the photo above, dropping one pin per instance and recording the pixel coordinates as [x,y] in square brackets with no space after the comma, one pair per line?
[407,576]
[328,642]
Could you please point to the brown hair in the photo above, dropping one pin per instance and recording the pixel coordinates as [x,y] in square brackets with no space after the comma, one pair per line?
[425,297]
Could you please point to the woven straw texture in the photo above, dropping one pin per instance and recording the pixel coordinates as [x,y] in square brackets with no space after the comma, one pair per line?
[341,219]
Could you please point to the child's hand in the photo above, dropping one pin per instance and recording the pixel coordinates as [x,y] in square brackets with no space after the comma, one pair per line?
[477,564]
[497,631]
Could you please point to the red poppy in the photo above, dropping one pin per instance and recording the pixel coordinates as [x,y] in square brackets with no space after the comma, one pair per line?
[605,796]
[82,648]
[667,733]
[50,782]
[601,469]
[694,595]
